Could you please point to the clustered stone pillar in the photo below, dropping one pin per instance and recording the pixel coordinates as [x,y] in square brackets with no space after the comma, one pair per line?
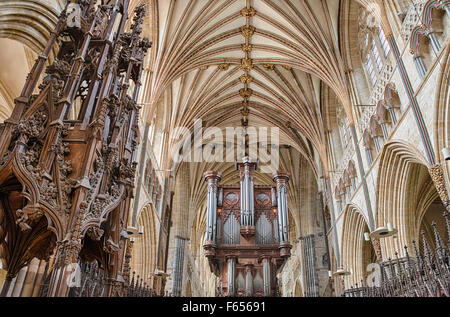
[434,42]
[27,282]
[283,217]
[420,66]
[312,283]
[384,129]
[178,266]
[181,204]
[393,115]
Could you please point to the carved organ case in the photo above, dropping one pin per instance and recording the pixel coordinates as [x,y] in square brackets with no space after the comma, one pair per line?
[67,153]
[247,238]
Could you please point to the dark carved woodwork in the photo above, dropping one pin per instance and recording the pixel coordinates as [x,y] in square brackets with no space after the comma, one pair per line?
[424,274]
[67,153]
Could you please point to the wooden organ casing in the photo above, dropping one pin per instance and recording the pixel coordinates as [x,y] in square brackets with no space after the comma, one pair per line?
[247,232]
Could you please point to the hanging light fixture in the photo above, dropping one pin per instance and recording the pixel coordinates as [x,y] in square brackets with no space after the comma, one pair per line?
[132,230]
[342,272]
[384,232]
[366,236]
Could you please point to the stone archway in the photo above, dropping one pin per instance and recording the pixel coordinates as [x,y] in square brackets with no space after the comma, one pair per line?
[144,254]
[357,253]
[407,198]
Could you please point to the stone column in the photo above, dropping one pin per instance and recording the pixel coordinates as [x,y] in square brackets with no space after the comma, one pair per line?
[369,156]
[19,282]
[181,208]
[310,266]
[420,66]
[384,129]
[39,277]
[393,115]
[178,262]
[28,283]
[434,42]
[376,142]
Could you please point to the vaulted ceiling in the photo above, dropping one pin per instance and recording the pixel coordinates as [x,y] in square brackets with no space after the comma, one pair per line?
[264,60]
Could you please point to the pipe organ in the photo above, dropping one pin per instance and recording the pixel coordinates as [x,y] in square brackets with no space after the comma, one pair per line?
[247,232]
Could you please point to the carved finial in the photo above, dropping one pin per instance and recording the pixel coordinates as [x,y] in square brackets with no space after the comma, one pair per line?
[426,249]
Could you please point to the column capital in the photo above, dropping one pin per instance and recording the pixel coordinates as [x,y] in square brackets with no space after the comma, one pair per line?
[212,176]
[281,176]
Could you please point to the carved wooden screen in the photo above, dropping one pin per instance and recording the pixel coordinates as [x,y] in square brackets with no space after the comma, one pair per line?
[266,219]
[229,218]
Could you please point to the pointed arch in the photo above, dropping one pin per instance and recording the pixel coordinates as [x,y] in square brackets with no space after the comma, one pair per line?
[401,175]
[356,252]
[144,254]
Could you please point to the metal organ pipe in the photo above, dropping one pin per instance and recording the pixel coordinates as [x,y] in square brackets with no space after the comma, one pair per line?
[231,274]
[246,168]
[283,222]
[266,276]
[213,179]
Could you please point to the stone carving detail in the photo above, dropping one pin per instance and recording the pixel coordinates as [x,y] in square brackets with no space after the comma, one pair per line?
[248,12]
[437,175]
[412,19]
[246,79]
[28,216]
[224,67]
[248,31]
[377,247]
[246,64]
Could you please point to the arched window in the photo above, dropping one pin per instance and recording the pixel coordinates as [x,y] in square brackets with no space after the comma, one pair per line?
[374,48]
[344,127]
[369,147]
[384,43]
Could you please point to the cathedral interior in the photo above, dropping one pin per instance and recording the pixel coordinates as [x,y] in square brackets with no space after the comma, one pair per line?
[228,148]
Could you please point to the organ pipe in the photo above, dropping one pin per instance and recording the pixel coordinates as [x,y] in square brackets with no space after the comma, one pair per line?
[247,168]
[213,179]
[283,221]
[266,276]
[231,274]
